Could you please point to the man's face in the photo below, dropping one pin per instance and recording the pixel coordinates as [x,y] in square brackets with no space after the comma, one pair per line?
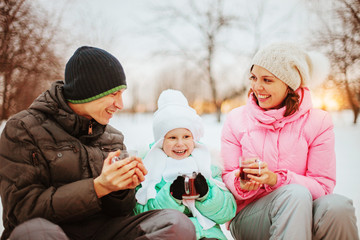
[178,143]
[102,109]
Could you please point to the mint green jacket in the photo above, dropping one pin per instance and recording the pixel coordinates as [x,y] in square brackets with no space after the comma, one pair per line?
[218,205]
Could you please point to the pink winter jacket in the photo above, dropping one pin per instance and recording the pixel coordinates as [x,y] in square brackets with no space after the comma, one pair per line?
[298,148]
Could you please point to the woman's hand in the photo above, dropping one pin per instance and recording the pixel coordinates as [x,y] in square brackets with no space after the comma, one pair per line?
[120,175]
[247,185]
[260,173]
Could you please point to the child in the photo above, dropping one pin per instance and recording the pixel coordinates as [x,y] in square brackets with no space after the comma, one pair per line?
[176,151]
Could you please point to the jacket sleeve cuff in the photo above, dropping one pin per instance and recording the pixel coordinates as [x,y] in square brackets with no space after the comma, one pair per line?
[201,199]
[281,180]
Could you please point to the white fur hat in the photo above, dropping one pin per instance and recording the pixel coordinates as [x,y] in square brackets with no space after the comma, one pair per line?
[292,65]
[174,112]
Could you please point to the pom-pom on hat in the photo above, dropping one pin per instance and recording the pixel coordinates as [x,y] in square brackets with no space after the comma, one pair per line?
[92,73]
[174,112]
[292,65]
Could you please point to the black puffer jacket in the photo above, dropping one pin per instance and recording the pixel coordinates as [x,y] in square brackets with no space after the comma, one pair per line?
[48,162]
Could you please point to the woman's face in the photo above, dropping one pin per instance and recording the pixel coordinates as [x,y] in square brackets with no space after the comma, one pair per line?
[178,143]
[268,89]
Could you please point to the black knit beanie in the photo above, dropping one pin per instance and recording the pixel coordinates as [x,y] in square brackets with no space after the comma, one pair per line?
[92,73]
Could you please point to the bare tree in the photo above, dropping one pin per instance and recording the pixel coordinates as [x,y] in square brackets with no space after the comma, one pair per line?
[221,30]
[339,36]
[209,20]
[28,59]
[184,77]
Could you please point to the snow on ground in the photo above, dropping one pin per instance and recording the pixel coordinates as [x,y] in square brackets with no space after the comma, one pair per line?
[138,135]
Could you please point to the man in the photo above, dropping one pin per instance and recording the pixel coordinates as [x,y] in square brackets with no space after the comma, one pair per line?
[57,179]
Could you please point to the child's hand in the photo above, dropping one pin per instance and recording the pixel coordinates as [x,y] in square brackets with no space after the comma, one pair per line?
[201,185]
[177,188]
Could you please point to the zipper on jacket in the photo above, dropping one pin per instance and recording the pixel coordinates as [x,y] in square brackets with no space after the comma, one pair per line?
[35,158]
[90,131]
[106,149]
[67,147]
[75,150]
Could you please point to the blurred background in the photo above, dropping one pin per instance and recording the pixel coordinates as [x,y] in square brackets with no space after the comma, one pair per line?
[201,47]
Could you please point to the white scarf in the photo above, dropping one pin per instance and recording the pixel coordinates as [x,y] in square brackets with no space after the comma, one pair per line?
[175,168]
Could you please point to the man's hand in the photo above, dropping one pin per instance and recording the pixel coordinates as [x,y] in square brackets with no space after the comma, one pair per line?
[120,175]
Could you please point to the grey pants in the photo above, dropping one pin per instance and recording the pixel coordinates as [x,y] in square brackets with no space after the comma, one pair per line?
[290,213]
[157,224]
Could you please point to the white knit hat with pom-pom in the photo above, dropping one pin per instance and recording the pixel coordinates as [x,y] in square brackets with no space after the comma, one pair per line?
[174,112]
[293,65]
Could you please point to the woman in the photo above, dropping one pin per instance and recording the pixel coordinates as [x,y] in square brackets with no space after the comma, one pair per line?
[290,197]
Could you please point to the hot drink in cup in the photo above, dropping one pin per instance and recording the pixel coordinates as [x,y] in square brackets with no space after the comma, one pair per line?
[190,190]
[245,162]
[124,154]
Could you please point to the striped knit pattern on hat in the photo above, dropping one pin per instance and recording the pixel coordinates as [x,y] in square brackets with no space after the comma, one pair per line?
[286,61]
[92,73]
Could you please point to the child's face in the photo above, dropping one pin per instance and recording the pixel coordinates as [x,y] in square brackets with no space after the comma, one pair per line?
[178,143]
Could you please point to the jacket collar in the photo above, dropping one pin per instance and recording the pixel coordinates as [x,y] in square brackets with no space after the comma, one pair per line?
[274,118]
[53,104]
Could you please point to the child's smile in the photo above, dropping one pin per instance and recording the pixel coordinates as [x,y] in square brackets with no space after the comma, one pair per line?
[180,154]
[178,143]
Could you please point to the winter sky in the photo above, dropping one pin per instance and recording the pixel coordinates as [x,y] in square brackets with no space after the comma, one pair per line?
[138,33]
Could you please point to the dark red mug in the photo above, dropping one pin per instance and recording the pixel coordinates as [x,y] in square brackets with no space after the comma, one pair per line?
[189,184]
[243,163]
